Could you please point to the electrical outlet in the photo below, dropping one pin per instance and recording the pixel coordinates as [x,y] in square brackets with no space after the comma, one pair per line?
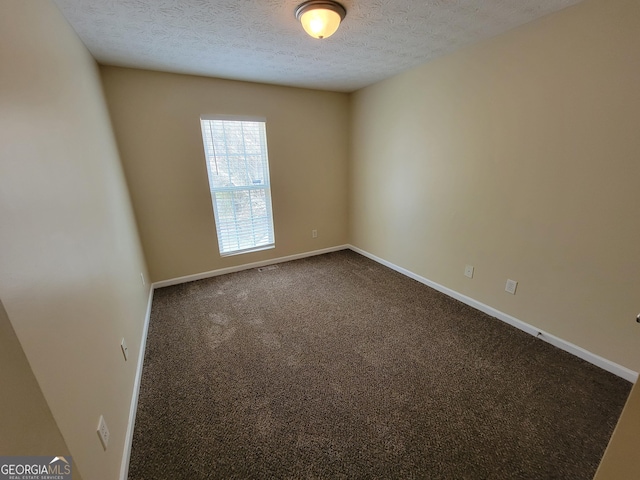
[142,277]
[314,233]
[125,349]
[468,271]
[511,287]
[103,432]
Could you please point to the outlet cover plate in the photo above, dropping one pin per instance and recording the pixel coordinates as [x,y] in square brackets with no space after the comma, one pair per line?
[511,287]
[103,432]
[468,271]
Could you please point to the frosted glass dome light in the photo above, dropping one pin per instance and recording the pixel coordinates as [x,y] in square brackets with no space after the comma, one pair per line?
[320,19]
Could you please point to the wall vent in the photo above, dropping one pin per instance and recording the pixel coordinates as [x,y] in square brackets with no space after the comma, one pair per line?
[267,268]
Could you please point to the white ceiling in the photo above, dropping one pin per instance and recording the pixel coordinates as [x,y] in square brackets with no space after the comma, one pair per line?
[261,41]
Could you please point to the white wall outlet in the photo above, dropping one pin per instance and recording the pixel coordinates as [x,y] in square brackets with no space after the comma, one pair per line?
[142,277]
[314,233]
[468,271]
[511,287]
[125,349]
[103,432]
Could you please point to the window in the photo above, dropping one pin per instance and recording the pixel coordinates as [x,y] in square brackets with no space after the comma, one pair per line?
[238,169]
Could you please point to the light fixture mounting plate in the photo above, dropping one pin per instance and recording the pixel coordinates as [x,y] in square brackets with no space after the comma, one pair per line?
[325,4]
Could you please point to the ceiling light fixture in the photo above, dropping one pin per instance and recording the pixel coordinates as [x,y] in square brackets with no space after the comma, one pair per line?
[320,19]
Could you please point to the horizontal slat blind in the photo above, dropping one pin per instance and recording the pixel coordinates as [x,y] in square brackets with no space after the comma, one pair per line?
[238,170]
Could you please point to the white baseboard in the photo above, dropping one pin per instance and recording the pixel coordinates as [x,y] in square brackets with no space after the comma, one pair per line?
[247,266]
[128,439]
[580,352]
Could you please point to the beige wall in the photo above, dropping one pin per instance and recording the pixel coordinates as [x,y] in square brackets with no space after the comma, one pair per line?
[26,422]
[156,118]
[621,460]
[70,259]
[521,157]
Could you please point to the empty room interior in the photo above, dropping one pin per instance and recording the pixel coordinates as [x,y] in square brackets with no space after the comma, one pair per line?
[450,202]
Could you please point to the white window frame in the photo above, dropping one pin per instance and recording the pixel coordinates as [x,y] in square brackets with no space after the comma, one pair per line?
[211,159]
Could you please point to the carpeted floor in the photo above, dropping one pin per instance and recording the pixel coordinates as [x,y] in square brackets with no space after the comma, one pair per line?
[336,367]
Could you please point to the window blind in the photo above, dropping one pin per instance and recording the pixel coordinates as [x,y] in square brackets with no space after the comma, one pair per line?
[238,171]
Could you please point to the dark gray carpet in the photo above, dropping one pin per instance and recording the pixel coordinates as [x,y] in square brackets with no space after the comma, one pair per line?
[337,367]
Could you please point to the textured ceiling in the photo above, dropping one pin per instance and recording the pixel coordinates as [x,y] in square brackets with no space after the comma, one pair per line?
[260,40]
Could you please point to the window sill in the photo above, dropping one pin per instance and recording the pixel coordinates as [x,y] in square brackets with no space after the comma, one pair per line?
[248,250]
